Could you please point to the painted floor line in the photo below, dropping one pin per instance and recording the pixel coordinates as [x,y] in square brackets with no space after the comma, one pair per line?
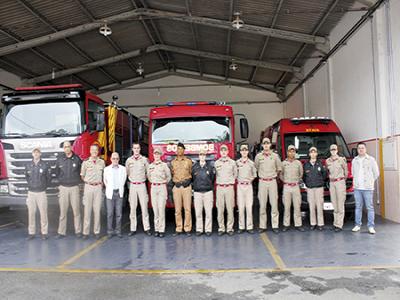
[195,271]
[272,250]
[84,251]
[8,224]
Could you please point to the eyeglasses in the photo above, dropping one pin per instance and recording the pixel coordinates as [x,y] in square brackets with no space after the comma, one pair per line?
[115,158]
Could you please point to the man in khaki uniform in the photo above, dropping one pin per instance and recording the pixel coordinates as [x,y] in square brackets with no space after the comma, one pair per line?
[292,173]
[226,174]
[136,168]
[37,174]
[92,176]
[246,174]
[338,171]
[68,167]
[181,168]
[268,165]
[159,175]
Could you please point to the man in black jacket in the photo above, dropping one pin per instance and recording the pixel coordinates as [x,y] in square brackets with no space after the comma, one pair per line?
[203,175]
[68,167]
[314,179]
[37,174]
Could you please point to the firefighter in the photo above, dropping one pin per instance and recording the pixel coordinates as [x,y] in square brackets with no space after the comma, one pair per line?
[226,174]
[137,168]
[92,176]
[181,168]
[338,171]
[159,175]
[292,173]
[314,179]
[203,175]
[268,165]
[68,167]
[37,174]
[246,174]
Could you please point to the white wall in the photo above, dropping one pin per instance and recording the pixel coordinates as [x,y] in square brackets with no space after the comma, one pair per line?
[359,88]
[258,115]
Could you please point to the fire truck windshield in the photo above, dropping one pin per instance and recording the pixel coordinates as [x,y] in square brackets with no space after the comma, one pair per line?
[303,142]
[192,129]
[42,119]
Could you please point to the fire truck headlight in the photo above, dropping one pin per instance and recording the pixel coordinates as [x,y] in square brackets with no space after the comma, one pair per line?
[4,188]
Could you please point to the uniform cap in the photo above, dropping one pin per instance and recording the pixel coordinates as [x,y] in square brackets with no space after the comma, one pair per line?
[224,147]
[266,141]
[244,147]
[291,147]
[313,149]
[333,147]
[36,149]
[157,150]
[203,151]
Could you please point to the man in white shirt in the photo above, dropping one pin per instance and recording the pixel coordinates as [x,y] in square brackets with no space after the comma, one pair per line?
[365,171]
[114,180]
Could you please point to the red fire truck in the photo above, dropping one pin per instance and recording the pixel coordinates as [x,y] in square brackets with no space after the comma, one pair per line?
[198,125]
[306,132]
[46,116]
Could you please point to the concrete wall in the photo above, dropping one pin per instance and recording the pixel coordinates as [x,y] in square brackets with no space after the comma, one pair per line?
[258,115]
[359,88]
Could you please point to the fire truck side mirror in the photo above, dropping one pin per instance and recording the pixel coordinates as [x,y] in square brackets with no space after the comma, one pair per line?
[354,152]
[244,128]
[100,122]
[140,129]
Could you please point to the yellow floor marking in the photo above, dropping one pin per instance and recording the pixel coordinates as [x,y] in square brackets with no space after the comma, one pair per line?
[8,224]
[81,253]
[274,253]
[194,271]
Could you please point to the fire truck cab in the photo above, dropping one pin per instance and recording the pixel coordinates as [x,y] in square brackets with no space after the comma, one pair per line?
[304,133]
[198,125]
[45,117]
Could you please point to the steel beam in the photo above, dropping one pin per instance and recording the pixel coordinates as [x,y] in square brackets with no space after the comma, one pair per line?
[239,60]
[263,49]
[95,64]
[152,13]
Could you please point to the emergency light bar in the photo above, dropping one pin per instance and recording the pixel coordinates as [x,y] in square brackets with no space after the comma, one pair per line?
[194,103]
[49,87]
[324,120]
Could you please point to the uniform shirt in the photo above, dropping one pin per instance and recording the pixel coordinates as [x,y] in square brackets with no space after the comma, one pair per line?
[292,171]
[246,170]
[159,172]
[181,169]
[226,171]
[337,167]
[38,176]
[268,165]
[92,170]
[136,168]
[68,170]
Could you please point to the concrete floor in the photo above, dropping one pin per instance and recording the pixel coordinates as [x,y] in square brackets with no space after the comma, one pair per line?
[293,264]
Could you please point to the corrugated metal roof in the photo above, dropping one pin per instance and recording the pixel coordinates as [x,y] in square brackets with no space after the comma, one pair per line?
[24,20]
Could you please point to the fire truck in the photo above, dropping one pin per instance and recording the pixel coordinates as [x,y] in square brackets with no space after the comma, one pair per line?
[45,117]
[304,133]
[198,125]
